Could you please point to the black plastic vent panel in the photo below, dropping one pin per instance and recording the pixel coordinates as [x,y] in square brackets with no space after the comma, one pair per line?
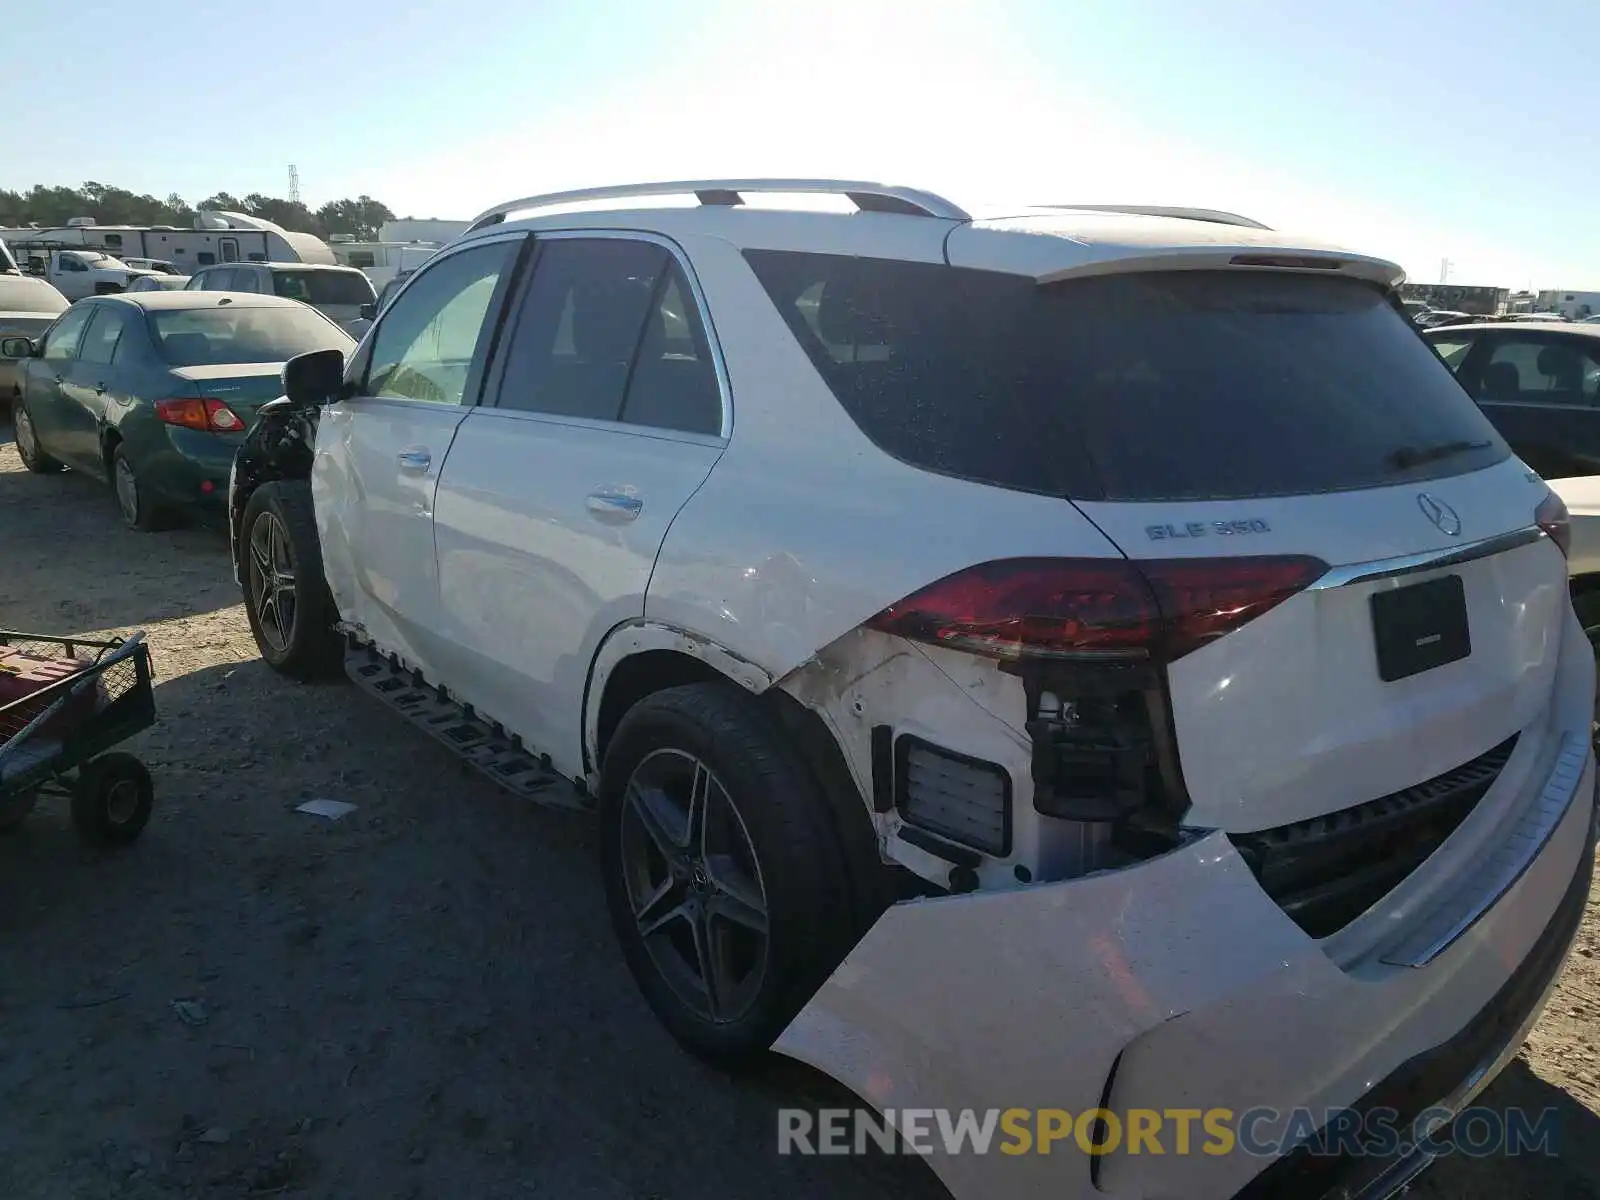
[1327,871]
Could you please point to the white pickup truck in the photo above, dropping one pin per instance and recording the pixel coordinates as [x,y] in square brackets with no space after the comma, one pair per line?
[80,273]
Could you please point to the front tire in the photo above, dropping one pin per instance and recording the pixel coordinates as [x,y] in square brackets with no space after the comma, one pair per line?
[724,880]
[28,448]
[285,593]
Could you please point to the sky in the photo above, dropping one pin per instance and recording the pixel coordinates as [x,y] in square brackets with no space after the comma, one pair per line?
[1433,131]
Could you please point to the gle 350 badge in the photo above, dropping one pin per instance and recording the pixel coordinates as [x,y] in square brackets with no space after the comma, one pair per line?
[1196,529]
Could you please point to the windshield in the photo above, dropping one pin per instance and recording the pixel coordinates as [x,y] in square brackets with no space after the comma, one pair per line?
[21,294]
[1150,386]
[240,334]
[324,287]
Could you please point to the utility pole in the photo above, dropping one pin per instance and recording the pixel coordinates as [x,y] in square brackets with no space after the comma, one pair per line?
[294,184]
[1444,270]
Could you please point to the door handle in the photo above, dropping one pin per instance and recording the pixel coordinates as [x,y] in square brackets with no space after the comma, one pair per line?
[414,458]
[614,506]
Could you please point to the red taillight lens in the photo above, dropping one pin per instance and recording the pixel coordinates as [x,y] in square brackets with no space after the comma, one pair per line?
[1203,599]
[1554,519]
[210,415]
[1061,608]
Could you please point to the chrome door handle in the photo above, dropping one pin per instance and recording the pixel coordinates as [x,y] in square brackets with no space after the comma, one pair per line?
[415,458]
[614,506]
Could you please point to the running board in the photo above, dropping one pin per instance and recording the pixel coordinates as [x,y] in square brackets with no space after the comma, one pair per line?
[478,743]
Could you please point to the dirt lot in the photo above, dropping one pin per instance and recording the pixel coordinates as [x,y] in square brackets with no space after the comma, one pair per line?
[420,1000]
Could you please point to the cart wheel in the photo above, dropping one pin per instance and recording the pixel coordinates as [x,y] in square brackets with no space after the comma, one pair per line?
[111,800]
[15,809]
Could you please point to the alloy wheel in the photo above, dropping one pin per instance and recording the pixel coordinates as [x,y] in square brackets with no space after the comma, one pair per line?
[127,488]
[694,884]
[122,801]
[27,441]
[271,576]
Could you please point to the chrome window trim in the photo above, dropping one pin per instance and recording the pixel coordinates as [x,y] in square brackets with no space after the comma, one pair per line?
[719,366]
[1427,560]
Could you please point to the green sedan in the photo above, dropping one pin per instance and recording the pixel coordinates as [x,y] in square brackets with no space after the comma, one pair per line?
[153,391]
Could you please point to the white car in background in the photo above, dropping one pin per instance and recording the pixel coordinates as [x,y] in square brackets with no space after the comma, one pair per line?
[342,294]
[28,306]
[1582,498]
[1042,658]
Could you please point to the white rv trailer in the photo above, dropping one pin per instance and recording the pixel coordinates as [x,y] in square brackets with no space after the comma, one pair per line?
[217,237]
[382,261]
[416,229]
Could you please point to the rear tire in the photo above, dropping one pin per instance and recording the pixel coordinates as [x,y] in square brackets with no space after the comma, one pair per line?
[138,507]
[286,596]
[753,897]
[28,448]
[112,800]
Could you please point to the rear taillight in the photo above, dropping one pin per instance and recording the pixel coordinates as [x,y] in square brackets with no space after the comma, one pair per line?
[1080,610]
[204,413]
[1554,519]
[1089,639]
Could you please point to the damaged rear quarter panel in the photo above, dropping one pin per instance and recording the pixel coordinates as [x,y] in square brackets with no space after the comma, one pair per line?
[959,702]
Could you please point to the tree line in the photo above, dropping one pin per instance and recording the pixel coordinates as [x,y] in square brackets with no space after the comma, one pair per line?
[55,206]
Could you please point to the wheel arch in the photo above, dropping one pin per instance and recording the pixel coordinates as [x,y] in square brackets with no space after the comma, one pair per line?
[279,445]
[1583,585]
[639,658]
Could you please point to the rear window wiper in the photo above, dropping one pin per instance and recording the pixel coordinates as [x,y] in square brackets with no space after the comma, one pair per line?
[1409,456]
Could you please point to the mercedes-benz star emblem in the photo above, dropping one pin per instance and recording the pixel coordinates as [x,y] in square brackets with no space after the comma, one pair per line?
[1440,513]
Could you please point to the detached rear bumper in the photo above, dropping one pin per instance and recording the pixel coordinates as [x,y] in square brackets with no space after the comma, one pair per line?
[1179,985]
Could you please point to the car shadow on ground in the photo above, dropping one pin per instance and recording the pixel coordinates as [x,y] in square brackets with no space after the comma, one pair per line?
[72,566]
[423,998]
[1561,1167]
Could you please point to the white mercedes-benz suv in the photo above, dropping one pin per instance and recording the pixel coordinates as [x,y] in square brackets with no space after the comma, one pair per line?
[1065,657]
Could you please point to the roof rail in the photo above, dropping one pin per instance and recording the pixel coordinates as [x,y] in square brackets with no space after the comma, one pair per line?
[1155,210]
[868,197]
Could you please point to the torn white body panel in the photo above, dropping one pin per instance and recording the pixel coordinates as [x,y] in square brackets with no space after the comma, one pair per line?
[1178,983]
[1026,999]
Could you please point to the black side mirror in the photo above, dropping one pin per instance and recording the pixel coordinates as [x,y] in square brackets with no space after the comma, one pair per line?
[314,378]
[369,311]
[17,347]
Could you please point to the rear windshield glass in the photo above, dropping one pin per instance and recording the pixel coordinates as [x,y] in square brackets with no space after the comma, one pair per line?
[323,287]
[1155,386]
[236,334]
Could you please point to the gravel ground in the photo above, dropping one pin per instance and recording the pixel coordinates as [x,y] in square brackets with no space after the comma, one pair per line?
[420,1000]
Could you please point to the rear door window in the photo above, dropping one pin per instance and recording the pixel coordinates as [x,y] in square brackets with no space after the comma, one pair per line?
[579,327]
[1539,369]
[324,287]
[1150,386]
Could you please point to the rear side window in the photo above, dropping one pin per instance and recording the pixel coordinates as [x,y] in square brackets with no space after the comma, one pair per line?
[580,325]
[324,287]
[1153,386]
